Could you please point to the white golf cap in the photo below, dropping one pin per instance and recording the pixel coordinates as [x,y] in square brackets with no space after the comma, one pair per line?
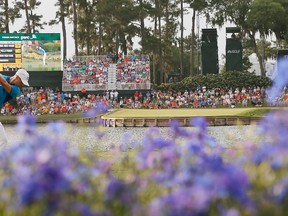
[24,76]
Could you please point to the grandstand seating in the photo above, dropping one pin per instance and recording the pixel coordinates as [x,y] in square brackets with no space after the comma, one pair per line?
[91,72]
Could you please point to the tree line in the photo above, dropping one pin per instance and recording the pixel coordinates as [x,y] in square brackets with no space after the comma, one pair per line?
[101,26]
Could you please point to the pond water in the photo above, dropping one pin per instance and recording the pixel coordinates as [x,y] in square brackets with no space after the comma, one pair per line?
[86,136]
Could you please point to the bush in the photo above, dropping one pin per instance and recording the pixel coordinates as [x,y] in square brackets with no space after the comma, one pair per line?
[52,47]
[224,80]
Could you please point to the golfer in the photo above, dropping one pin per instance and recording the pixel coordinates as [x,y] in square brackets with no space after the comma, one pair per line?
[10,89]
[44,54]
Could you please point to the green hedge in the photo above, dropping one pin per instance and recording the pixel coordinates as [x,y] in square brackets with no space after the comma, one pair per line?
[224,80]
[52,47]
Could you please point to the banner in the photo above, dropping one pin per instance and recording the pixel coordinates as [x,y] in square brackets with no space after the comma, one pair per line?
[234,60]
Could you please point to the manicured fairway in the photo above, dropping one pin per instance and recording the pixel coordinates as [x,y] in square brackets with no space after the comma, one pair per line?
[168,113]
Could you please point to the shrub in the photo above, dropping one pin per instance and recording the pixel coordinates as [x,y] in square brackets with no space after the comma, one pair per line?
[224,80]
[52,47]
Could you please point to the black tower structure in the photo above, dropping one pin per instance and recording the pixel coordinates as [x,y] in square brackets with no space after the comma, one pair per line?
[234,50]
[209,51]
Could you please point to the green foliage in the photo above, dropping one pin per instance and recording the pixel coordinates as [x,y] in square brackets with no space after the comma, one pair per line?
[256,112]
[52,47]
[224,80]
[261,11]
[33,21]
[8,14]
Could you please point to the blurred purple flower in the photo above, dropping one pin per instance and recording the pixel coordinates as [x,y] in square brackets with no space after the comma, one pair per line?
[275,127]
[177,130]
[26,120]
[276,164]
[43,169]
[84,209]
[26,123]
[279,191]
[280,80]
[56,127]
[273,130]
[199,122]
[182,201]
[230,212]
[194,148]
[122,194]
[146,156]
[99,108]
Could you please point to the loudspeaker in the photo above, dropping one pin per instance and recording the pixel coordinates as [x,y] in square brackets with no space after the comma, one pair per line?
[209,51]
[234,59]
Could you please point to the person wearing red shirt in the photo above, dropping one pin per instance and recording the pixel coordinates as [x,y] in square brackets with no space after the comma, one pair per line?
[136,95]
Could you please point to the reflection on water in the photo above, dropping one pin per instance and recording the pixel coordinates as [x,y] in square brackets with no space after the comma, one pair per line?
[86,136]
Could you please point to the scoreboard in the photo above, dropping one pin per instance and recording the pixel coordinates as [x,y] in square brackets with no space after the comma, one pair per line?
[10,55]
[20,51]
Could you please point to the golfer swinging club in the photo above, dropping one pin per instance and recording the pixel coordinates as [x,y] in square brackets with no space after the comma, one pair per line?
[44,54]
[10,89]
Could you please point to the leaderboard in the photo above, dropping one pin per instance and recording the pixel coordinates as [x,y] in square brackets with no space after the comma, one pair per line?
[10,56]
[21,50]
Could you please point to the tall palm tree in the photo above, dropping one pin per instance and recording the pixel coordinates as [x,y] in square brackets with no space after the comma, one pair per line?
[7,15]
[61,14]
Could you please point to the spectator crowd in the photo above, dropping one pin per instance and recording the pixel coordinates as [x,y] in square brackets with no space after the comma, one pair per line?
[53,101]
[131,72]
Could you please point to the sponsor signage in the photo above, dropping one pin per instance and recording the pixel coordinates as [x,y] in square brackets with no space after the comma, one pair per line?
[233,51]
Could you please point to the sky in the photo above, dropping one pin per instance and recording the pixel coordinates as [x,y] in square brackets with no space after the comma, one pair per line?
[48,10]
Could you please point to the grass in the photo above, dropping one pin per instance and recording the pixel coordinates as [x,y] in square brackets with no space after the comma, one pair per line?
[44,118]
[256,112]
[37,65]
[166,113]
[152,113]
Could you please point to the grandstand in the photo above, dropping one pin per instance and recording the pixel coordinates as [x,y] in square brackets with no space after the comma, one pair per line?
[96,73]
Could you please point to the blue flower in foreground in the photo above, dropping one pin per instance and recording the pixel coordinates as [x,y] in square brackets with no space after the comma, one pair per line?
[123,194]
[84,209]
[280,190]
[193,171]
[42,169]
[26,123]
[177,130]
[99,108]
[271,157]
[280,80]
[199,122]
[273,130]
[183,201]
[26,120]
[56,127]
[230,212]
[275,127]
[146,158]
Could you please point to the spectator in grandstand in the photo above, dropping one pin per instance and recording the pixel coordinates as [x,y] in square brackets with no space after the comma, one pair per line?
[9,89]
[116,94]
[83,92]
